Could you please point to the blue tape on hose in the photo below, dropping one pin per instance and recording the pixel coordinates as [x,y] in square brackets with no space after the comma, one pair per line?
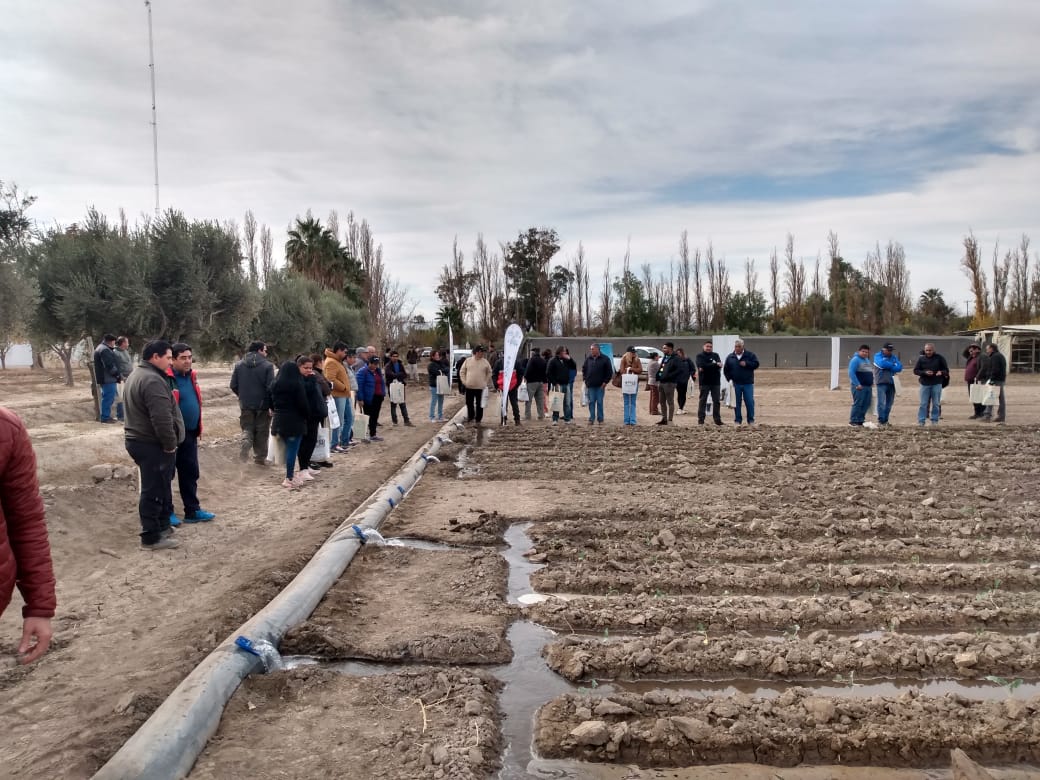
[359,533]
[400,490]
[391,502]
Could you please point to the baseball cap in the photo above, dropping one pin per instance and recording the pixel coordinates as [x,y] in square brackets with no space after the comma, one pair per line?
[888,345]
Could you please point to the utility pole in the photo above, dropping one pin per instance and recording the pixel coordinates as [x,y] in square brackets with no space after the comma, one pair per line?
[155,122]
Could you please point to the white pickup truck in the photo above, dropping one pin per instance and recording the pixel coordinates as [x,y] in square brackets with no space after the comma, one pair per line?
[644,357]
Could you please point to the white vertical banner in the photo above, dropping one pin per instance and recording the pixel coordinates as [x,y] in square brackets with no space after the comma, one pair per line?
[451,355]
[835,361]
[510,349]
[722,345]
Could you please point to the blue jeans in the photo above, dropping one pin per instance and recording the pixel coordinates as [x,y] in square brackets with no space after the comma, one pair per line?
[860,404]
[338,435]
[596,403]
[747,394]
[630,408]
[568,402]
[436,404]
[346,419]
[886,395]
[108,397]
[930,394]
[292,450]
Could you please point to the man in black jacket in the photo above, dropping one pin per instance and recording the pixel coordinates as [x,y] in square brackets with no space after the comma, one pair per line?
[932,374]
[534,375]
[251,382]
[667,379]
[394,371]
[107,375]
[993,371]
[596,373]
[709,377]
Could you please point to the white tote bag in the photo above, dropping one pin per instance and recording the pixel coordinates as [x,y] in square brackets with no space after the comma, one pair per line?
[977,393]
[630,383]
[321,447]
[992,396]
[443,385]
[726,395]
[396,392]
[360,426]
[521,392]
[556,400]
[332,415]
[277,450]
[484,399]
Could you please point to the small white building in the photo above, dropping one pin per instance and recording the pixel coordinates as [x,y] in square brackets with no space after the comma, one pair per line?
[1019,343]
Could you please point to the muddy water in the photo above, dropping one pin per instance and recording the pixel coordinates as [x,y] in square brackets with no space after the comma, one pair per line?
[520,568]
[528,685]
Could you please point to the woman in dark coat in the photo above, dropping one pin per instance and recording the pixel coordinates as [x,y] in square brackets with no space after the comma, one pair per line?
[438,367]
[290,416]
[317,411]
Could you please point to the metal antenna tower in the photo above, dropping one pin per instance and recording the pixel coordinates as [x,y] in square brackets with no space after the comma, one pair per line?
[155,122]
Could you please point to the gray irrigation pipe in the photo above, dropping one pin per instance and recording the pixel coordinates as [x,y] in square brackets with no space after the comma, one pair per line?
[170,741]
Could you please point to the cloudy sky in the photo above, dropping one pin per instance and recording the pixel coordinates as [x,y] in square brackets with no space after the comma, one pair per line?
[612,122]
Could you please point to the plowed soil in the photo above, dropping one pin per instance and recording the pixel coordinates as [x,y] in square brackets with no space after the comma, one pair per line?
[682,565]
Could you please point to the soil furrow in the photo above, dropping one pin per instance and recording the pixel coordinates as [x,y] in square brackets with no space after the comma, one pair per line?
[661,729]
[622,552]
[666,578]
[941,612]
[816,655]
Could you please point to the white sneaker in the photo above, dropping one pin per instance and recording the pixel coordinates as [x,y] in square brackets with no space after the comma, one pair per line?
[288,484]
[300,480]
[312,472]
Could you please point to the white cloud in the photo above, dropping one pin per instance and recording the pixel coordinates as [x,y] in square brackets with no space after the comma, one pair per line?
[441,118]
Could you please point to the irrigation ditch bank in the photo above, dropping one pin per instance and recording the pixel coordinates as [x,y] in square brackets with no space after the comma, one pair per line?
[679,567]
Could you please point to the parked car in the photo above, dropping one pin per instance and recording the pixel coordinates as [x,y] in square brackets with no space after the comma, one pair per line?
[426,352]
[455,362]
[642,352]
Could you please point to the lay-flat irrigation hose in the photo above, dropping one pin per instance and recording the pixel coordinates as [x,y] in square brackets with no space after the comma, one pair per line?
[169,742]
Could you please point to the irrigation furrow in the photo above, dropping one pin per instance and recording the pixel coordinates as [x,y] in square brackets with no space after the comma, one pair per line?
[935,611]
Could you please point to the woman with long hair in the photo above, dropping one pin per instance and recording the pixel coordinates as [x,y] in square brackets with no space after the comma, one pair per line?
[437,367]
[290,417]
[316,412]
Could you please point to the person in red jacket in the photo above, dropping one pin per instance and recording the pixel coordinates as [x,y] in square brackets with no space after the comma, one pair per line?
[25,553]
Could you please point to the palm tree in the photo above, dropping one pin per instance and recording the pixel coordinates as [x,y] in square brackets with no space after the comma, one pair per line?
[931,304]
[315,252]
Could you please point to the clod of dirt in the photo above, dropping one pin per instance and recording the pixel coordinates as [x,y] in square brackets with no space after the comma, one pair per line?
[101,471]
[797,728]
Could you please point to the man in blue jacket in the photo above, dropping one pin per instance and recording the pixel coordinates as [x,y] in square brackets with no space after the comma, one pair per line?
[886,366]
[739,369]
[371,390]
[861,380]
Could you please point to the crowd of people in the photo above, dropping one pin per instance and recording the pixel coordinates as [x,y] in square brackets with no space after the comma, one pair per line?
[338,395]
[322,405]
[545,380]
[982,372]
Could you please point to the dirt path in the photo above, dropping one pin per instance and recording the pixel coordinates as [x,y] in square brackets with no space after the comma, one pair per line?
[132,624]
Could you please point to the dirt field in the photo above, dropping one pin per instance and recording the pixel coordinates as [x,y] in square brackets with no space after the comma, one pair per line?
[800,593]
